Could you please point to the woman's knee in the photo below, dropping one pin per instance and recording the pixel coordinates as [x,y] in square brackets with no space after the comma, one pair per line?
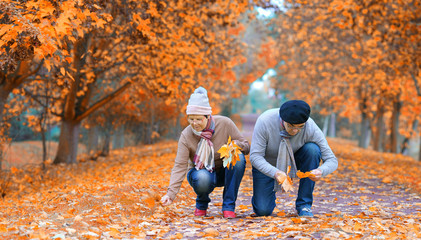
[201,181]
[240,165]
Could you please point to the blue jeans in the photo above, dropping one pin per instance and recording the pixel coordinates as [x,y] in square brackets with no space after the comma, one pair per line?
[203,182]
[307,158]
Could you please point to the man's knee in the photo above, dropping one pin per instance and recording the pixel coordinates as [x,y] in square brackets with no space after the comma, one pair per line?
[262,208]
[312,147]
[263,211]
[309,151]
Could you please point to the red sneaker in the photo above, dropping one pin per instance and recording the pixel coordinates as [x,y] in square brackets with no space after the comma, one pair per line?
[199,213]
[229,214]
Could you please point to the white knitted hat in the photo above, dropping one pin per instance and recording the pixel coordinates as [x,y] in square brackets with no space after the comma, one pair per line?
[199,103]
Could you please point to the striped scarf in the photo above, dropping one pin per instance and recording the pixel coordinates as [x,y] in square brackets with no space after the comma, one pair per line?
[285,156]
[204,156]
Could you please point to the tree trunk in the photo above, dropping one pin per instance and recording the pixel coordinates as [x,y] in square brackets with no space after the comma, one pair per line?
[406,142]
[68,142]
[118,138]
[44,145]
[93,139]
[419,151]
[379,134]
[326,125]
[151,126]
[3,100]
[106,146]
[227,108]
[364,132]
[332,125]
[367,137]
[395,127]
[177,128]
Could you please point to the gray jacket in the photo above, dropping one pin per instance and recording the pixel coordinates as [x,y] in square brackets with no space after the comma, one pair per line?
[266,139]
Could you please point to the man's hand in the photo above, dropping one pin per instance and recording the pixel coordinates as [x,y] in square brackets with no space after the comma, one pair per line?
[316,174]
[166,200]
[280,177]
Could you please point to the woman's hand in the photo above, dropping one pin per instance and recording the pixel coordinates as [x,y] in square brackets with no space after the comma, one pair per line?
[316,174]
[166,200]
[280,177]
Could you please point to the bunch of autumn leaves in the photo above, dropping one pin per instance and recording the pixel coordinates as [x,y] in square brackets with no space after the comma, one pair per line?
[230,154]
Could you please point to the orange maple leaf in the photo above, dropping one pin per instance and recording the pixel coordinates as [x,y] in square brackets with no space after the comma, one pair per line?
[304,175]
[230,153]
[287,184]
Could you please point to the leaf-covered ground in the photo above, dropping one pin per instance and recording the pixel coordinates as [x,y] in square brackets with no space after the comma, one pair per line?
[370,196]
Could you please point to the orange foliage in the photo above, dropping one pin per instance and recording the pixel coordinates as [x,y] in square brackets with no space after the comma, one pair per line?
[93,52]
[304,175]
[348,56]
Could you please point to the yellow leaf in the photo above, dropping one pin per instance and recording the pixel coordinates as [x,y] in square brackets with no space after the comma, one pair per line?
[287,184]
[113,232]
[231,152]
[224,151]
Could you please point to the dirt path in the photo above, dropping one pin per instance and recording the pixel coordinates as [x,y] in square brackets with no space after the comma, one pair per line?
[351,203]
[344,207]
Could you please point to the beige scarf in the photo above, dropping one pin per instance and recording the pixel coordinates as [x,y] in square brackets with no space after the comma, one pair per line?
[285,157]
[204,156]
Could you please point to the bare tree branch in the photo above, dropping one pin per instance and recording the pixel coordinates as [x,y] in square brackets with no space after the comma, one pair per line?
[22,78]
[36,99]
[102,102]
[416,84]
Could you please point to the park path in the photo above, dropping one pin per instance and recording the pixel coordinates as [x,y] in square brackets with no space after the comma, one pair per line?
[351,203]
[370,196]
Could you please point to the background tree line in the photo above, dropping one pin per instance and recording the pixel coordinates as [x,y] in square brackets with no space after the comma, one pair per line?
[355,60]
[63,62]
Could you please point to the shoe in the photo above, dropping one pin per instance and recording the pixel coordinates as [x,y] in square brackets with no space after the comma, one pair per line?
[229,214]
[305,212]
[199,213]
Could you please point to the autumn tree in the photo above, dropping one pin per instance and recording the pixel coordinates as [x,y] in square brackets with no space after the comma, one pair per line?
[166,49]
[29,36]
[98,50]
[353,57]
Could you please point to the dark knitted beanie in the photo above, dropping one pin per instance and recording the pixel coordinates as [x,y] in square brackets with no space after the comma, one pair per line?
[295,111]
